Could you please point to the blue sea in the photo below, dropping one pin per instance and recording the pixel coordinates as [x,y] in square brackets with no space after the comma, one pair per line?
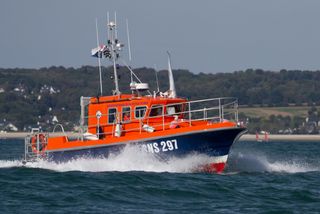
[261,177]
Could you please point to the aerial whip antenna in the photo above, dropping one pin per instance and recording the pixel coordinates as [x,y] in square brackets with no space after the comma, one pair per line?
[155,69]
[108,20]
[128,36]
[99,60]
[115,27]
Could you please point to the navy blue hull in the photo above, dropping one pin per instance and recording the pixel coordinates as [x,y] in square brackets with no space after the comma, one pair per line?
[211,143]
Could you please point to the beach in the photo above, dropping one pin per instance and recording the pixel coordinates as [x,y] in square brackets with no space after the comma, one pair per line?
[22,135]
[282,138]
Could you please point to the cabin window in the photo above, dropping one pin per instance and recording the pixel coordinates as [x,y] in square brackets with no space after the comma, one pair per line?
[140,111]
[112,113]
[174,109]
[156,110]
[126,114]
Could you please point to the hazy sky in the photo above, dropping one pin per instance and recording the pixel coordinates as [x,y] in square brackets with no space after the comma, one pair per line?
[202,36]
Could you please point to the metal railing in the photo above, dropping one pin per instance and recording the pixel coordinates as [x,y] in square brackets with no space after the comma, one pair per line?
[214,110]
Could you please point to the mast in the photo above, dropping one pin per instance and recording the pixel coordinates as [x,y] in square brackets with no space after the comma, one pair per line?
[110,51]
[114,46]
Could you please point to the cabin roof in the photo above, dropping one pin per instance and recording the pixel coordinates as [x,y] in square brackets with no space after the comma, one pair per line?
[134,99]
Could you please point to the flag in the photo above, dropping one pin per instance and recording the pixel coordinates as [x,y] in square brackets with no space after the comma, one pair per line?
[100,51]
[97,52]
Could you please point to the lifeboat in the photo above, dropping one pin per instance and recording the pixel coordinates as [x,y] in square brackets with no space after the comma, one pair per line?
[160,123]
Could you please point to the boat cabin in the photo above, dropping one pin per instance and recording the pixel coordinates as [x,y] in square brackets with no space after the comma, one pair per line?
[120,114]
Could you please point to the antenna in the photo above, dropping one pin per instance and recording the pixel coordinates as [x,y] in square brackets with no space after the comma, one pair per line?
[108,20]
[128,36]
[115,27]
[155,69]
[172,88]
[99,61]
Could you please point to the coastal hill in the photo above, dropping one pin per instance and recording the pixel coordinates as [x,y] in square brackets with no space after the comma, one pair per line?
[45,96]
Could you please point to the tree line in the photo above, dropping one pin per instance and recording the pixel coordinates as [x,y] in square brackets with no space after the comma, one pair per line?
[25,100]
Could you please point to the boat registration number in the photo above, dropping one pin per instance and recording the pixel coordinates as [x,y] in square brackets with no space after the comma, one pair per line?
[163,146]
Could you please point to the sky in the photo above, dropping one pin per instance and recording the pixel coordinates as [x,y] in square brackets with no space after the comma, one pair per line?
[208,36]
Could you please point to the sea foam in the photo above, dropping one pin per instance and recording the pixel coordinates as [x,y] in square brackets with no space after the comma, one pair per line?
[133,159]
[251,162]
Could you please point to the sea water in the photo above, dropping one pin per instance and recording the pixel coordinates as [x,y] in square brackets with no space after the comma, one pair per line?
[261,177]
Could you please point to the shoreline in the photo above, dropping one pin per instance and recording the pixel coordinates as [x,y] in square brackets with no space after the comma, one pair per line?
[22,135]
[246,137]
[282,138]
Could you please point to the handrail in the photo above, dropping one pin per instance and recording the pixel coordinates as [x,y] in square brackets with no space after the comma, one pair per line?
[60,125]
[178,113]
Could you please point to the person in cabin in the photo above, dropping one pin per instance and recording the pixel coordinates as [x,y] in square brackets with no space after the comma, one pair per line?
[126,116]
[175,123]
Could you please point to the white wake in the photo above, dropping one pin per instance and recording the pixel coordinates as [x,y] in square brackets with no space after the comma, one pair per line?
[10,163]
[250,162]
[130,159]
[133,159]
